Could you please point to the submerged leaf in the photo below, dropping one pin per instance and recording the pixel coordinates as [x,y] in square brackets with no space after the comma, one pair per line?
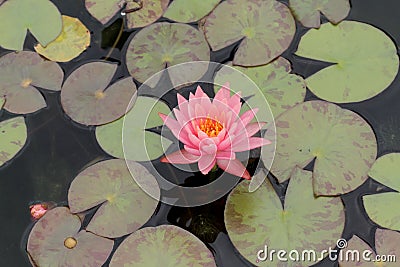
[13,136]
[256,219]
[40,17]
[72,41]
[265,28]
[163,45]
[342,143]
[172,245]
[125,207]
[189,11]
[139,13]
[55,240]
[364,58]
[20,73]
[308,11]
[86,98]
[138,144]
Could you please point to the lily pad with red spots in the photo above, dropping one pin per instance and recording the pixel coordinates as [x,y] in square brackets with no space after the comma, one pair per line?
[13,135]
[308,11]
[139,13]
[257,219]
[265,29]
[87,98]
[124,206]
[56,240]
[20,74]
[342,143]
[189,11]
[163,45]
[165,245]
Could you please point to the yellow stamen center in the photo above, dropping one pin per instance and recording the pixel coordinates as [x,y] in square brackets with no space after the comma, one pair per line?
[99,94]
[70,242]
[210,126]
[26,82]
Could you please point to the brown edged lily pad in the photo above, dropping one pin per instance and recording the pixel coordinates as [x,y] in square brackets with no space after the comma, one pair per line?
[189,11]
[265,28]
[165,245]
[55,240]
[20,73]
[87,98]
[124,206]
[13,136]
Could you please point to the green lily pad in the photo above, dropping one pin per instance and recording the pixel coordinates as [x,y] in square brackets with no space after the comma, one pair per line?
[20,73]
[265,28]
[73,40]
[342,143]
[364,58]
[189,11]
[172,245]
[40,17]
[163,45]
[55,240]
[308,12]
[13,136]
[386,170]
[86,98]
[125,207]
[138,144]
[139,13]
[255,220]
[276,84]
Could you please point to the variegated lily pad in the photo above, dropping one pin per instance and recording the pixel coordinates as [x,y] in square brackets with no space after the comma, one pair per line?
[364,58]
[139,13]
[386,171]
[308,11]
[165,245]
[125,207]
[189,11]
[255,220]
[40,17]
[265,28]
[55,240]
[86,98]
[342,143]
[20,73]
[13,136]
[387,247]
[280,88]
[163,45]
[73,40]
[138,144]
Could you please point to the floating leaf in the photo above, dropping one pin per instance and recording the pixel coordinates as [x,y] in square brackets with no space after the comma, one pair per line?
[125,207]
[163,45]
[364,59]
[386,170]
[255,220]
[13,136]
[307,12]
[86,98]
[40,17]
[139,145]
[265,28]
[72,41]
[189,11]
[172,245]
[2,101]
[276,84]
[138,13]
[341,142]
[55,240]
[19,73]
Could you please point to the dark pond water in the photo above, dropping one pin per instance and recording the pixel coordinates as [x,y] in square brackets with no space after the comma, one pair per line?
[58,149]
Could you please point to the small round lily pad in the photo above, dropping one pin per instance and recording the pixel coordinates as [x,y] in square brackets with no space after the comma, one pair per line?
[173,247]
[56,240]
[364,58]
[189,11]
[13,135]
[87,98]
[265,28]
[73,40]
[124,206]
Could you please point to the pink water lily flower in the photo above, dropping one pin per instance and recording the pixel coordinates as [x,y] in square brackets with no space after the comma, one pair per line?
[213,131]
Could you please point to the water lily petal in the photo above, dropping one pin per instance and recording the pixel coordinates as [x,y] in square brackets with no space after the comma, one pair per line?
[253,128]
[180,157]
[206,163]
[229,155]
[234,167]
[249,144]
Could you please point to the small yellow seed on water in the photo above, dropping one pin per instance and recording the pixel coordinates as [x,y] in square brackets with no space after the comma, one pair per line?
[70,242]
